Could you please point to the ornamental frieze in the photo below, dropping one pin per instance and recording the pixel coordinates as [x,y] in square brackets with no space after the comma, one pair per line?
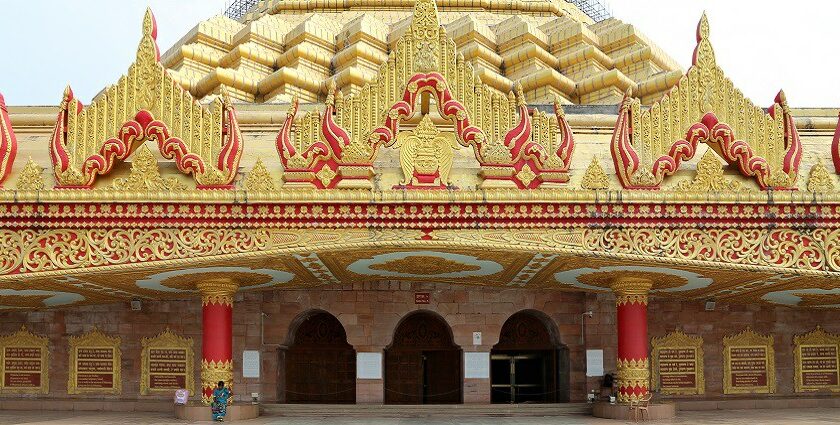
[145,105]
[705,107]
[60,251]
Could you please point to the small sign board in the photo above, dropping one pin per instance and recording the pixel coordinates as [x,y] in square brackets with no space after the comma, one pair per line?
[477,365]
[476,338]
[369,365]
[594,362]
[250,364]
[422,298]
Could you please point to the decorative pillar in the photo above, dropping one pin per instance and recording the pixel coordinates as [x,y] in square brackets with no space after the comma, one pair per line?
[217,334]
[633,368]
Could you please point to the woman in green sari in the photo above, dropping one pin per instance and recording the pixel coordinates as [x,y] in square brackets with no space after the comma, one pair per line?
[221,397]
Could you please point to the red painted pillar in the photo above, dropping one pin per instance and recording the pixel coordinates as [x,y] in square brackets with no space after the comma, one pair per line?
[633,368]
[217,334]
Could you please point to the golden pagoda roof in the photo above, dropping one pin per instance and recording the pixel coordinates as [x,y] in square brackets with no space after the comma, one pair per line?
[294,48]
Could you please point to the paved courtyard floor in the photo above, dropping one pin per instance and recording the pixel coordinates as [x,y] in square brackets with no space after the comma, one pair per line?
[735,417]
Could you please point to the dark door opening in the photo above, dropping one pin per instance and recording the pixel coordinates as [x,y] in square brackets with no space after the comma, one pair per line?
[423,365]
[528,365]
[320,366]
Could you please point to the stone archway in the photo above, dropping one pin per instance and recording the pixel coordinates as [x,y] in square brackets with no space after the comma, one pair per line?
[318,365]
[529,364]
[423,365]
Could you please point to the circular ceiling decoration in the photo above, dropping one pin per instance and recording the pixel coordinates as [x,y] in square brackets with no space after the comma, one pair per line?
[664,279]
[424,264]
[185,280]
[32,298]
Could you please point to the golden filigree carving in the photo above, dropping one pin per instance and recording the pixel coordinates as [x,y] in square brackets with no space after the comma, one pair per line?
[259,179]
[167,340]
[631,373]
[816,360]
[213,372]
[631,289]
[54,252]
[595,178]
[709,177]
[217,291]
[755,362]
[819,179]
[31,178]
[426,152]
[26,341]
[146,104]
[425,265]
[95,340]
[145,175]
[526,175]
[705,107]
[690,350]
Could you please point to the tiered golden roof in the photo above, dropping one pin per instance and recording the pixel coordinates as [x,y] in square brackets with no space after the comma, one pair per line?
[293,48]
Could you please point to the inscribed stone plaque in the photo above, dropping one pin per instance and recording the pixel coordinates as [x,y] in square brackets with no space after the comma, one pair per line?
[678,364]
[748,364]
[94,364]
[817,362]
[167,364]
[477,365]
[250,364]
[594,362]
[24,363]
[369,365]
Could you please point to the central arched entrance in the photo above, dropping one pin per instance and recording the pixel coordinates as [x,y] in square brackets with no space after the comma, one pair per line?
[529,364]
[320,366]
[423,365]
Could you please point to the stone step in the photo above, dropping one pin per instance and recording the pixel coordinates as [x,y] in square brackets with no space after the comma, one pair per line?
[425,411]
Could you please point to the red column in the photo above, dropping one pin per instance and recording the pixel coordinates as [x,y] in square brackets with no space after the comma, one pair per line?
[217,334]
[633,375]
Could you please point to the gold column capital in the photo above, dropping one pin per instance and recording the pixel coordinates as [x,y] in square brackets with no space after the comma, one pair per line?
[631,289]
[217,291]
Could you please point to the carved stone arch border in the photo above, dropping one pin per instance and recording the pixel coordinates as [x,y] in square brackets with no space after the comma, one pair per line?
[302,317]
[414,313]
[546,320]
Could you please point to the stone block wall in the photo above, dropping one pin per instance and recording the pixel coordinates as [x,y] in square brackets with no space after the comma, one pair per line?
[370,313]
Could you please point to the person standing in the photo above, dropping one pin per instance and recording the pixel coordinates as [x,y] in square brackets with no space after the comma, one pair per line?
[221,398]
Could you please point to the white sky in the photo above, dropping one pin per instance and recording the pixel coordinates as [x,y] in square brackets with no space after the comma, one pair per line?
[762,45]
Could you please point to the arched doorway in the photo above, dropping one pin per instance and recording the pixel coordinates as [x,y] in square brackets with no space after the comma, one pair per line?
[320,366]
[529,364]
[423,365]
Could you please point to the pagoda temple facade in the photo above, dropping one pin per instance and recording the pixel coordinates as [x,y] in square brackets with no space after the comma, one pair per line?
[419,202]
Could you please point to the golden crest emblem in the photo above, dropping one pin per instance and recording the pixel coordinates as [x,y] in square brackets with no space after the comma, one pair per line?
[426,155]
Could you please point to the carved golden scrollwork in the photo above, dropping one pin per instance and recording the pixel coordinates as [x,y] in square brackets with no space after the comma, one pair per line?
[631,290]
[213,372]
[426,154]
[23,345]
[217,291]
[819,179]
[690,350]
[705,107]
[145,175]
[709,177]
[754,370]
[31,178]
[632,373]
[259,179]
[595,178]
[167,340]
[146,104]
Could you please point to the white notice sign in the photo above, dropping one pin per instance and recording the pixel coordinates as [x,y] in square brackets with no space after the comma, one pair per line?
[594,362]
[368,365]
[476,338]
[477,365]
[250,364]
